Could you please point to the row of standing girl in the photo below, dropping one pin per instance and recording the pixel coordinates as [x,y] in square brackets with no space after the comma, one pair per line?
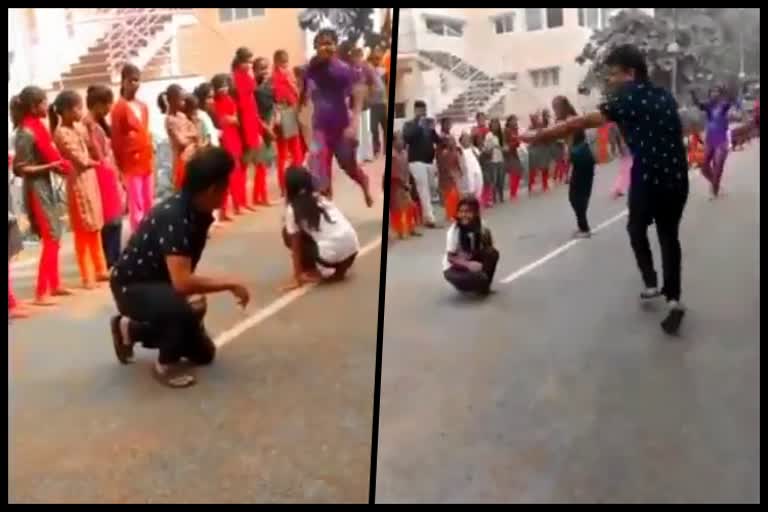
[94,157]
[245,112]
[249,113]
[488,156]
[78,148]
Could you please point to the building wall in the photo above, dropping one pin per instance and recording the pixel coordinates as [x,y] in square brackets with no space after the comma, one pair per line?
[44,46]
[207,48]
[519,51]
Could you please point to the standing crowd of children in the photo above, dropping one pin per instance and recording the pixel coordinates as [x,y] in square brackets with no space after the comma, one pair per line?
[489,163]
[260,114]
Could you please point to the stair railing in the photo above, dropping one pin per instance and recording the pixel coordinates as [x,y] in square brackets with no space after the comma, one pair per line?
[132,30]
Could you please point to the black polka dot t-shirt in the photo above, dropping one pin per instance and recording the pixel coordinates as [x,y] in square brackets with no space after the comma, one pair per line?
[648,119]
[173,227]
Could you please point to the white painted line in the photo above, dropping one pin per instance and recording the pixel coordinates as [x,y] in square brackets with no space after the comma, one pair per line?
[532,266]
[278,304]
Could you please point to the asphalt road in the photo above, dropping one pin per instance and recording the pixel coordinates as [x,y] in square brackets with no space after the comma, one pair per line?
[284,414]
[560,387]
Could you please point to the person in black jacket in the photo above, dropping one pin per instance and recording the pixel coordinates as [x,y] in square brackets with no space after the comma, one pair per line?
[421,139]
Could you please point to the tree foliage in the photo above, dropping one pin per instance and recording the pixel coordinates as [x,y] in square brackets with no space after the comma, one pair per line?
[705,50]
[351,23]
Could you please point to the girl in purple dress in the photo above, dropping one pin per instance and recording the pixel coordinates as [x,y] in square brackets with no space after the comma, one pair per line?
[334,88]
[716,142]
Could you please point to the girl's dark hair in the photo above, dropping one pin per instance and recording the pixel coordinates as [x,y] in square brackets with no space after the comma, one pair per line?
[163,99]
[242,54]
[15,111]
[221,80]
[567,108]
[628,57]
[128,71]
[470,236]
[509,120]
[257,62]
[207,167]
[345,50]
[300,194]
[30,97]
[190,104]
[64,102]
[280,55]
[495,127]
[202,92]
[100,95]
[327,32]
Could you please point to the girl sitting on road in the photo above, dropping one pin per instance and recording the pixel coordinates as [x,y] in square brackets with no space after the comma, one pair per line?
[470,260]
[322,241]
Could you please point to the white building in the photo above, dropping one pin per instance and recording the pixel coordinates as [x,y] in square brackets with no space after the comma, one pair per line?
[494,60]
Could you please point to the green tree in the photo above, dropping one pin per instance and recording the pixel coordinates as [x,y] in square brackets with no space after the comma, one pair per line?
[352,23]
[700,51]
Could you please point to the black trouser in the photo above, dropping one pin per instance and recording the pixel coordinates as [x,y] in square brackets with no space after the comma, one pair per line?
[378,121]
[310,255]
[579,192]
[498,177]
[665,209]
[162,318]
[467,281]
[111,235]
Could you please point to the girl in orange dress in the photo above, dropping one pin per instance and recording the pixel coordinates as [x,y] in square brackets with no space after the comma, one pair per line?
[402,214]
[86,216]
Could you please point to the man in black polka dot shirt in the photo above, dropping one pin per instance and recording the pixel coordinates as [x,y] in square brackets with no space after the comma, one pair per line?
[648,119]
[154,280]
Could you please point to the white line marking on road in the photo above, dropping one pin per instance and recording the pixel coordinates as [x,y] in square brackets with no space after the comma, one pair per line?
[532,266]
[278,304]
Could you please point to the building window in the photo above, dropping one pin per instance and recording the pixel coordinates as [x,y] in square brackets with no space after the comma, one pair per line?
[504,23]
[547,77]
[239,13]
[538,18]
[443,27]
[533,19]
[554,17]
[400,110]
[509,76]
[595,18]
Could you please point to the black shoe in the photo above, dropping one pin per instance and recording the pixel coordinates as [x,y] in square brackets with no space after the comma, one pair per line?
[671,324]
[582,234]
[650,294]
[123,351]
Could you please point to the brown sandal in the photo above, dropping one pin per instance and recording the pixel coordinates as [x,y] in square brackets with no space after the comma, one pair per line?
[174,377]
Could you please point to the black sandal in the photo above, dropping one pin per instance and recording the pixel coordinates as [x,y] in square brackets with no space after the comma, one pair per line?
[123,352]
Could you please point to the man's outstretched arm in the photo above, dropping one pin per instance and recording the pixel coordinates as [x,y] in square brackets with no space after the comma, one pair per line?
[566,128]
